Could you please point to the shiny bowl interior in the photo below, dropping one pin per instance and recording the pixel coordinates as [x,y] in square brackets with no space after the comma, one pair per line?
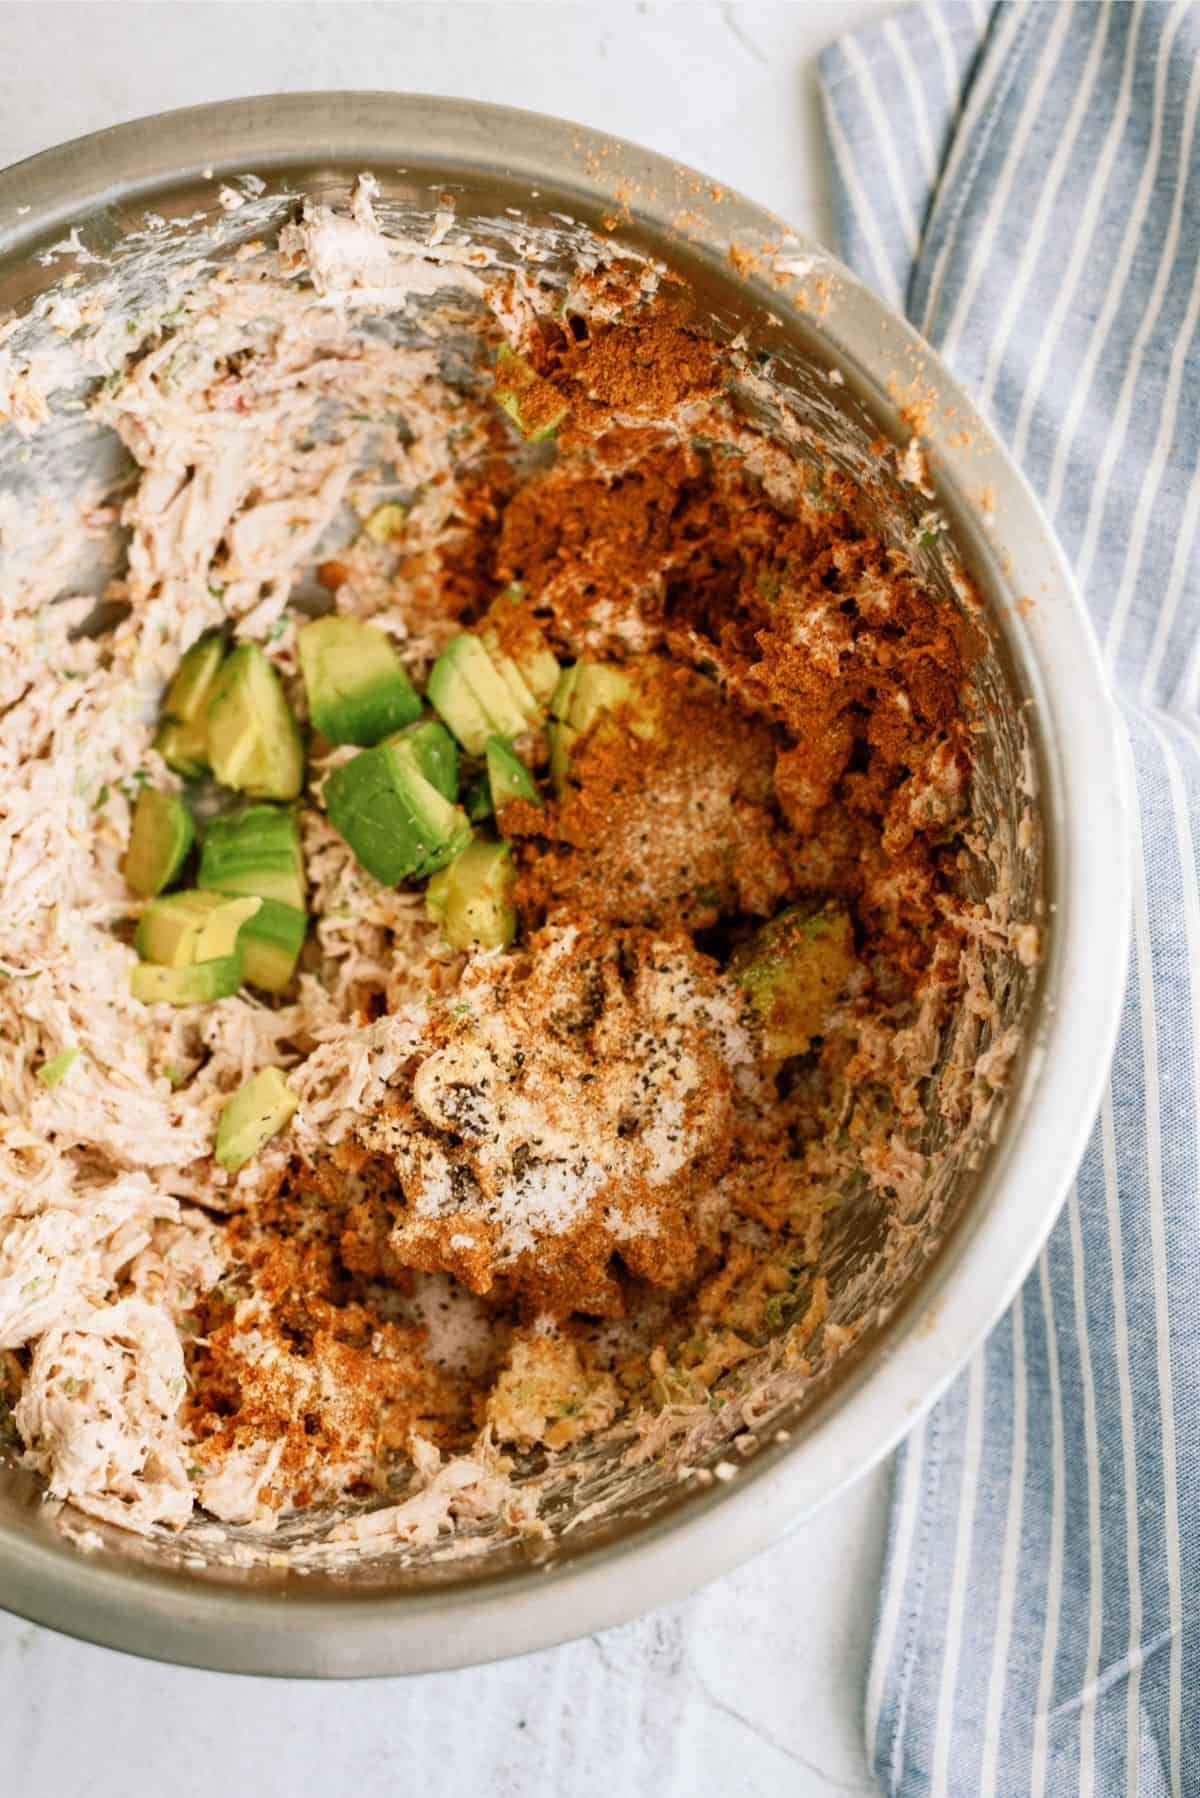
[125,206]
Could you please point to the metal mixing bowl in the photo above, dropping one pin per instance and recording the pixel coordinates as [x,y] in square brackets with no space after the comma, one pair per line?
[649,1536]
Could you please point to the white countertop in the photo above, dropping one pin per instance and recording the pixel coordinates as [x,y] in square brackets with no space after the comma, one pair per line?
[755,1685]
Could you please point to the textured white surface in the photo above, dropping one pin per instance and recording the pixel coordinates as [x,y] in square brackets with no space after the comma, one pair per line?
[754,1686]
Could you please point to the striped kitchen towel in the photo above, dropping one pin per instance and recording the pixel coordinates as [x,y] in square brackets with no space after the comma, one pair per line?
[1025,182]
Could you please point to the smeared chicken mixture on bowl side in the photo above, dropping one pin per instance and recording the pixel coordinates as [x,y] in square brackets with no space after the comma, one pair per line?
[550,1122]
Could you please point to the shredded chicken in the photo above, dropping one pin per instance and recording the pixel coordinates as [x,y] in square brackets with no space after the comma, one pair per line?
[99,1413]
[239,479]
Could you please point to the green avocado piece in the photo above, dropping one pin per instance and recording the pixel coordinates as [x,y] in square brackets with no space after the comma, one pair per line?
[477,800]
[540,670]
[53,1072]
[536,663]
[270,943]
[188,695]
[358,691]
[395,820]
[469,692]
[182,928]
[183,747]
[160,836]
[436,754]
[584,691]
[520,692]
[596,688]
[453,700]
[535,406]
[386,521]
[256,851]
[472,898]
[253,741]
[182,740]
[561,738]
[564,692]
[196,984]
[256,1112]
[508,777]
[794,970]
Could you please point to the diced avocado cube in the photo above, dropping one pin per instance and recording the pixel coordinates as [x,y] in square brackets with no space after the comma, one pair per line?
[536,663]
[561,738]
[472,898]
[386,521]
[187,697]
[182,928]
[584,691]
[467,690]
[253,740]
[396,821]
[508,777]
[596,688]
[436,753]
[160,837]
[794,971]
[196,984]
[564,692]
[256,827]
[184,747]
[477,800]
[53,1072]
[541,670]
[270,943]
[535,406]
[454,701]
[257,851]
[256,1112]
[520,692]
[182,739]
[358,691]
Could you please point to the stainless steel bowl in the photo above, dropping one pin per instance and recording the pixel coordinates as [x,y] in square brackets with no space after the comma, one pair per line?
[653,1536]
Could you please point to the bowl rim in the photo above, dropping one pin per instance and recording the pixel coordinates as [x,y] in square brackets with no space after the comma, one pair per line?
[1051,1113]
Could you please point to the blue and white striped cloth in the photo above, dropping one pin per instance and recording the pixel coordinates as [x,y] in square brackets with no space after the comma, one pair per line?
[1025,182]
